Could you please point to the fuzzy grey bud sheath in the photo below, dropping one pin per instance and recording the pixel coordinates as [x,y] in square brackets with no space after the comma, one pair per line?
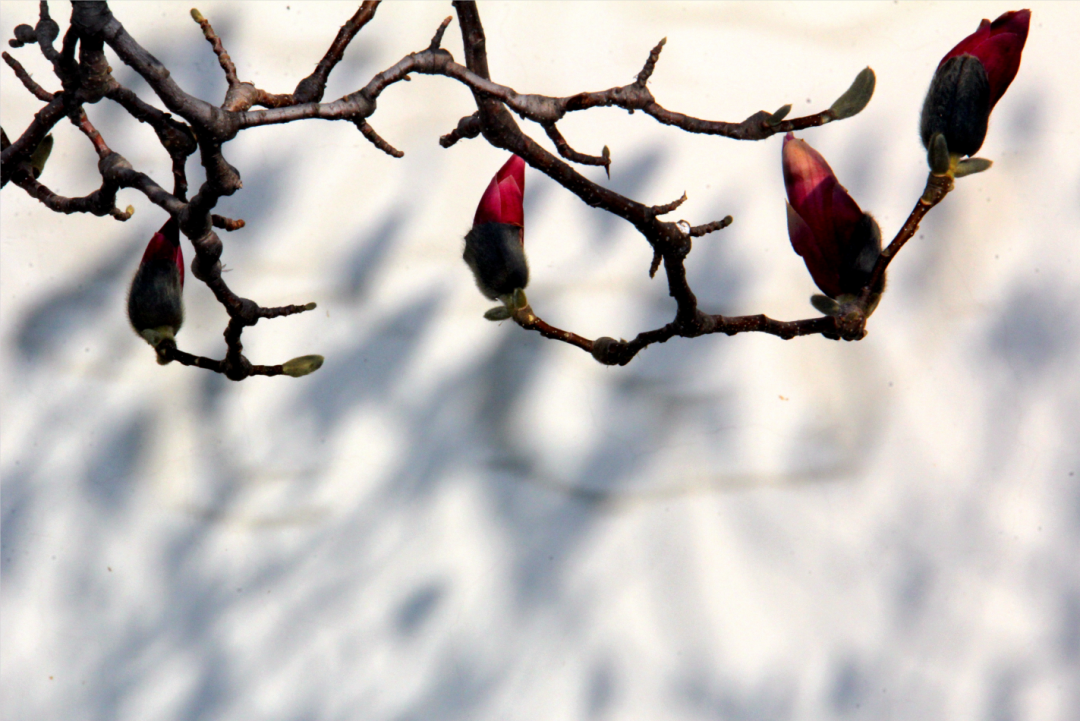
[155,301]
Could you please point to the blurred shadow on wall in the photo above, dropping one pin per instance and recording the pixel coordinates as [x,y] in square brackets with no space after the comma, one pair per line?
[51,324]
[710,697]
[360,269]
[1032,342]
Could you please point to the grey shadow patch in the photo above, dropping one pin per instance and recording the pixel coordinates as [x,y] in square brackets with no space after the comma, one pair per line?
[459,691]
[1025,120]
[415,610]
[852,689]
[1035,329]
[539,190]
[17,503]
[368,369]
[1069,631]
[1004,692]
[211,390]
[914,588]
[56,318]
[602,689]
[110,478]
[356,67]
[361,267]
[719,698]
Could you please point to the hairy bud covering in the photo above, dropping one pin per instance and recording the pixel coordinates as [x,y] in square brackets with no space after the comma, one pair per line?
[496,254]
[155,301]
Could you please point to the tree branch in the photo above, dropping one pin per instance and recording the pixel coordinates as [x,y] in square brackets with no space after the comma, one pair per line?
[194,125]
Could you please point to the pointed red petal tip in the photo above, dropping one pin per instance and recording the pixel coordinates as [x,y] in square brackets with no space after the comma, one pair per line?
[166,245]
[998,45]
[502,201]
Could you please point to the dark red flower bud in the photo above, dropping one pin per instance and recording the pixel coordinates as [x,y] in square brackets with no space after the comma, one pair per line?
[155,301]
[838,242]
[495,247]
[969,81]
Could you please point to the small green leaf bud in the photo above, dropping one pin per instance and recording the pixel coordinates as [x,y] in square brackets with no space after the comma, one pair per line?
[41,155]
[856,97]
[154,336]
[499,312]
[937,155]
[518,299]
[970,166]
[825,305]
[302,366]
[779,115]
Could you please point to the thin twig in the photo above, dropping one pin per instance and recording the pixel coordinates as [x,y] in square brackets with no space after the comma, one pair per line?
[227,224]
[937,187]
[467,127]
[20,72]
[699,230]
[650,64]
[574,156]
[376,140]
[285,310]
[219,48]
[436,40]
[311,88]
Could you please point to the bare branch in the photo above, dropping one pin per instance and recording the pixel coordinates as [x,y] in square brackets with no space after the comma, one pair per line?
[87,78]
[311,88]
[667,207]
[436,41]
[227,224]
[19,151]
[377,140]
[699,230]
[467,127]
[20,72]
[574,156]
[650,64]
[937,187]
[219,48]
[285,310]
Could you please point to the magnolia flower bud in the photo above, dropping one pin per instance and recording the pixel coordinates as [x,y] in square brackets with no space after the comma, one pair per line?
[969,81]
[839,243]
[495,247]
[155,301]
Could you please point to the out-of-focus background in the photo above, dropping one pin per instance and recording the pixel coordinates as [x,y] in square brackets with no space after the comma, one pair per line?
[455,519]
